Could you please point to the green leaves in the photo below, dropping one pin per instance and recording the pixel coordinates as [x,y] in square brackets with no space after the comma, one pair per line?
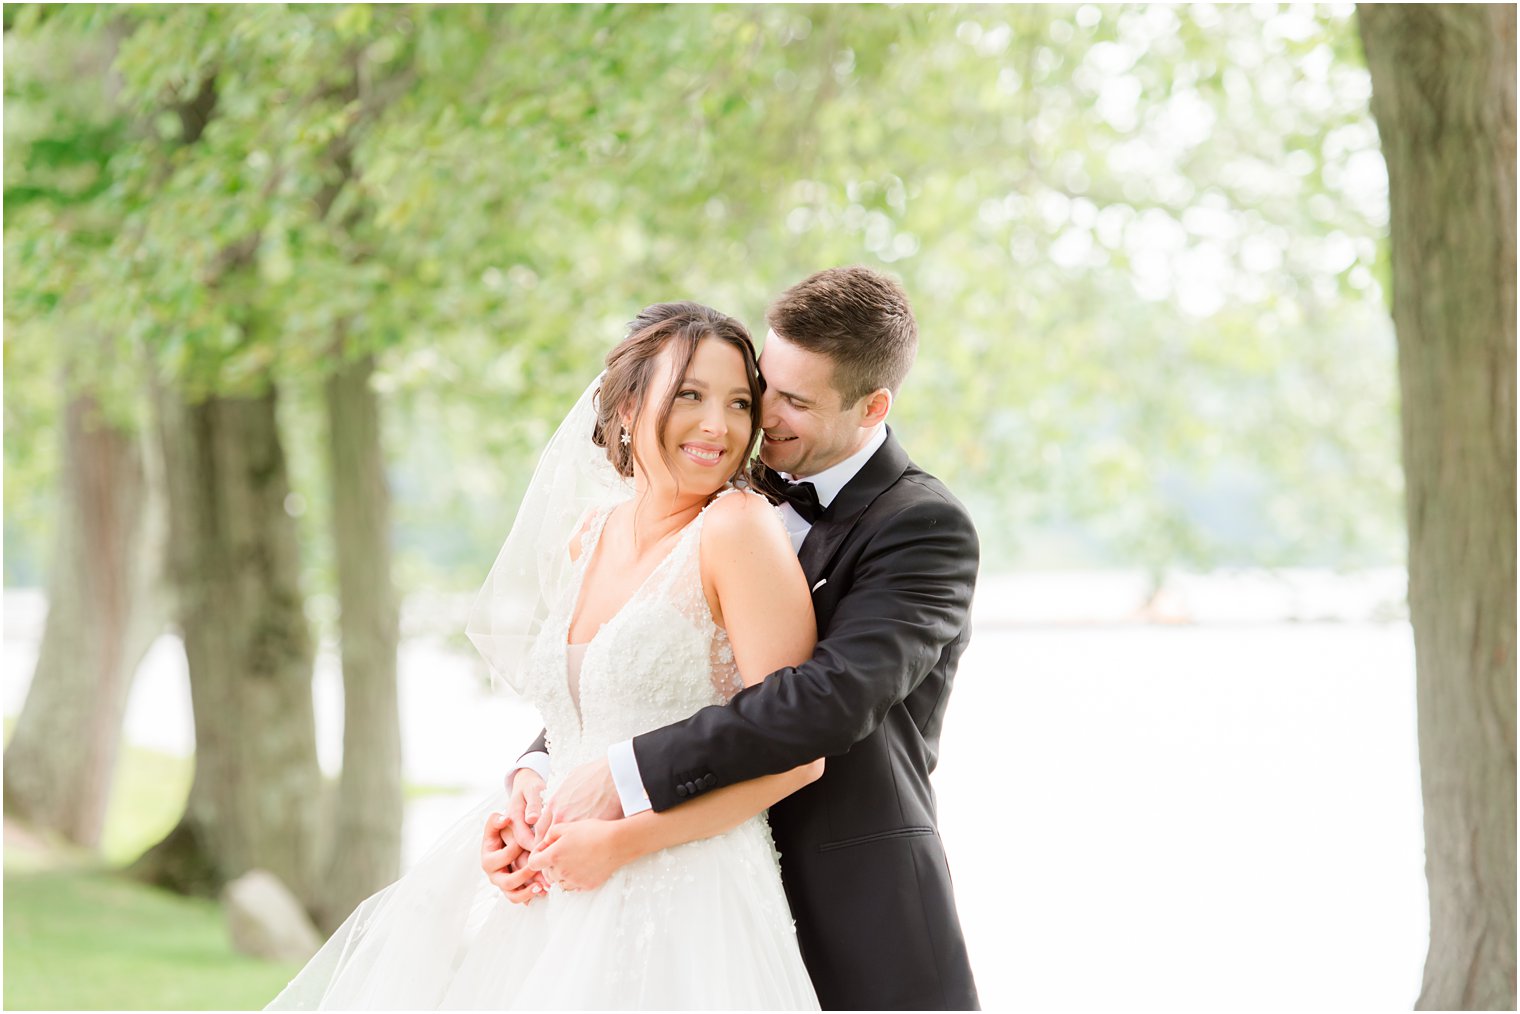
[1144,243]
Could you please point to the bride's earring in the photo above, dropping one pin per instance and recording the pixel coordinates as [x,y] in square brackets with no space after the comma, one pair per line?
[626,439]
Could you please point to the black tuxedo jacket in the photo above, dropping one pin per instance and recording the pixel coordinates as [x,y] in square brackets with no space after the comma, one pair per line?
[892,564]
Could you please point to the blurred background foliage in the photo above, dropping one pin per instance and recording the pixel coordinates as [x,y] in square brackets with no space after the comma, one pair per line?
[1143,244]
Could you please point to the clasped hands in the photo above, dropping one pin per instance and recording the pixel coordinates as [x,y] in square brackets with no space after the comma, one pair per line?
[573,840]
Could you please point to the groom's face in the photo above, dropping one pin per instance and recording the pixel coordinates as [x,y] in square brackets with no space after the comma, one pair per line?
[807,425]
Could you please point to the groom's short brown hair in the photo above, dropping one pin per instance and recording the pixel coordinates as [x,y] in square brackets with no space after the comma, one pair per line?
[860,319]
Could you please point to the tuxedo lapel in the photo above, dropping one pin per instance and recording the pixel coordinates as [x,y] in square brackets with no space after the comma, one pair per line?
[884,468]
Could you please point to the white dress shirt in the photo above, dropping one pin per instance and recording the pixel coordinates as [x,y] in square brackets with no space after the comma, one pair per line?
[620,757]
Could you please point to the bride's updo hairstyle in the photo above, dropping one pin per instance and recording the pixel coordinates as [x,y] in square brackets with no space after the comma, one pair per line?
[631,371]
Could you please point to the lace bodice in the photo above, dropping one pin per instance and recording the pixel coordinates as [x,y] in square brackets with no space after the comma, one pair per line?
[659,659]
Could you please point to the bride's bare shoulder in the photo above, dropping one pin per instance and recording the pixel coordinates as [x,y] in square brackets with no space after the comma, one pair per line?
[739,525]
[741,514]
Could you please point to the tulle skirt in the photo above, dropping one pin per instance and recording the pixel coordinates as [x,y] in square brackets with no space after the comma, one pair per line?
[700,926]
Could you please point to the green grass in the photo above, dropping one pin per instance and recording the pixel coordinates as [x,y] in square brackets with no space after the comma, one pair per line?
[82,939]
[79,936]
[147,799]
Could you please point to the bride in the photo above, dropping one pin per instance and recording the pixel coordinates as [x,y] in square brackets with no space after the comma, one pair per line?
[636,587]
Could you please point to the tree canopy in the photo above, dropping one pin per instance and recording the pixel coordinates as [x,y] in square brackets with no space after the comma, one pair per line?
[1142,243]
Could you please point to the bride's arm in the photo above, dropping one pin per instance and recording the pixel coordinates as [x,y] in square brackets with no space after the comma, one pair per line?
[755,586]
[759,595]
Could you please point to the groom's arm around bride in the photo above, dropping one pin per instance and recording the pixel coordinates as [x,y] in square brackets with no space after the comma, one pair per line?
[892,561]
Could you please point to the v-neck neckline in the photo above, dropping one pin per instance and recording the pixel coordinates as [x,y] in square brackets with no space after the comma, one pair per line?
[590,558]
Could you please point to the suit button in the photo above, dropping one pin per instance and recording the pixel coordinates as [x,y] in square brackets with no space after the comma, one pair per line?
[709,781]
[681,791]
[691,787]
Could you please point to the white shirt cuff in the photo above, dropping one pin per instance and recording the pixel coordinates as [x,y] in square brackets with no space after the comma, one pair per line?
[625,775]
[537,762]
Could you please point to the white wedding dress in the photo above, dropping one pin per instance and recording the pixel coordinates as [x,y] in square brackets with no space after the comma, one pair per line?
[703,925]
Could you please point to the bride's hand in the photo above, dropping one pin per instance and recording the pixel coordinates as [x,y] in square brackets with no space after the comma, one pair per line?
[505,863]
[580,855]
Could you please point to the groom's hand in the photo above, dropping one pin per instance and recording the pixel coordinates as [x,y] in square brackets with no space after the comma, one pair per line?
[587,793]
[581,855]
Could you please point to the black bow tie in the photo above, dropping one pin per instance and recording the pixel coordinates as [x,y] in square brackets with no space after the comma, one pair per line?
[803,496]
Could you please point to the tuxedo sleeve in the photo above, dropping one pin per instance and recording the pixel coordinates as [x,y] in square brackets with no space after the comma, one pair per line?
[536,761]
[909,599]
[535,758]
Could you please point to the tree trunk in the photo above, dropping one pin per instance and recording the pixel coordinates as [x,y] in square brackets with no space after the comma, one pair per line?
[255,798]
[103,613]
[367,846]
[1443,83]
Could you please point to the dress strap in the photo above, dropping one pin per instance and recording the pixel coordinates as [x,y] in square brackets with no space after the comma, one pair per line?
[593,533]
[730,488]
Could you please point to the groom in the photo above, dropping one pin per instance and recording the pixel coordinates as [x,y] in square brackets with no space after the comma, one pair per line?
[891,558]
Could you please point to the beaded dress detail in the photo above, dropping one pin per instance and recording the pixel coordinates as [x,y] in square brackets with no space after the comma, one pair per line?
[657,660]
[703,925]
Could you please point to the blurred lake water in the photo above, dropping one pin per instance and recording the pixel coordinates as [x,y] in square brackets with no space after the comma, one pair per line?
[1202,799]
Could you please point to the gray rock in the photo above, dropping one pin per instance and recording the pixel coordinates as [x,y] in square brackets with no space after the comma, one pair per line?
[266,920]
